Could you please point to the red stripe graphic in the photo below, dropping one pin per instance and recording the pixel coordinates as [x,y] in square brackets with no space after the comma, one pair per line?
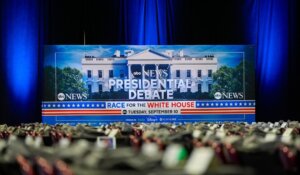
[224,112]
[217,109]
[220,112]
[95,112]
[76,112]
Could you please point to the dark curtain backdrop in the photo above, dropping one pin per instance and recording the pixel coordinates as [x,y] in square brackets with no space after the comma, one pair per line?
[21,40]
[270,25]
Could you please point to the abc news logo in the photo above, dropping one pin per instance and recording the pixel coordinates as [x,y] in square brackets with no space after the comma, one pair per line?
[152,73]
[72,96]
[136,73]
[229,95]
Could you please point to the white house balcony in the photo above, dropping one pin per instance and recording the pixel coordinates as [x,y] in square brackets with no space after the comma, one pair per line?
[95,61]
[181,60]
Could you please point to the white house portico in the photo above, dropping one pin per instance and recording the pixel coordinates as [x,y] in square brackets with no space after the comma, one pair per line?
[147,65]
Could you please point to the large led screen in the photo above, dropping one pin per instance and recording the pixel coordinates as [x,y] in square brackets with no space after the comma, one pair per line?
[96,84]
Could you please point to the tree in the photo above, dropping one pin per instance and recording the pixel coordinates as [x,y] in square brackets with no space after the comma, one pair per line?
[69,80]
[228,79]
[250,80]
[222,79]
[238,78]
[49,83]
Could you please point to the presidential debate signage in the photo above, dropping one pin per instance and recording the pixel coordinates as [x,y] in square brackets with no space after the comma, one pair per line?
[97,84]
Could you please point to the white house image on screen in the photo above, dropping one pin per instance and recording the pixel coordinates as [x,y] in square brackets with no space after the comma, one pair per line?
[98,71]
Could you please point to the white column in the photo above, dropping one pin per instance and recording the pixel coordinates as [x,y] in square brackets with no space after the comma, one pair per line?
[143,74]
[129,74]
[170,76]
[129,71]
[156,71]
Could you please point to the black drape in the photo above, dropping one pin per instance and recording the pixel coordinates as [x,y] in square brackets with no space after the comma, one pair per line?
[176,22]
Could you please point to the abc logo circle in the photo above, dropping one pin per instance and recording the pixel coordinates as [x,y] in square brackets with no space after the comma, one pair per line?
[137,73]
[218,95]
[61,96]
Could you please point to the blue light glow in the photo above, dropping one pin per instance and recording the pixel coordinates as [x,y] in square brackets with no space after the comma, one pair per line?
[268,29]
[21,46]
[272,41]
[148,21]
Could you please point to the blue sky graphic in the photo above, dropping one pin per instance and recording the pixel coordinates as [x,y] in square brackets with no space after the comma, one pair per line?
[71,55]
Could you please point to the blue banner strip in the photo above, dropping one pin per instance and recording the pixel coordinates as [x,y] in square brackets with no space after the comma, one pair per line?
[73,105]
[225,104]
[102,105]
[96,120]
